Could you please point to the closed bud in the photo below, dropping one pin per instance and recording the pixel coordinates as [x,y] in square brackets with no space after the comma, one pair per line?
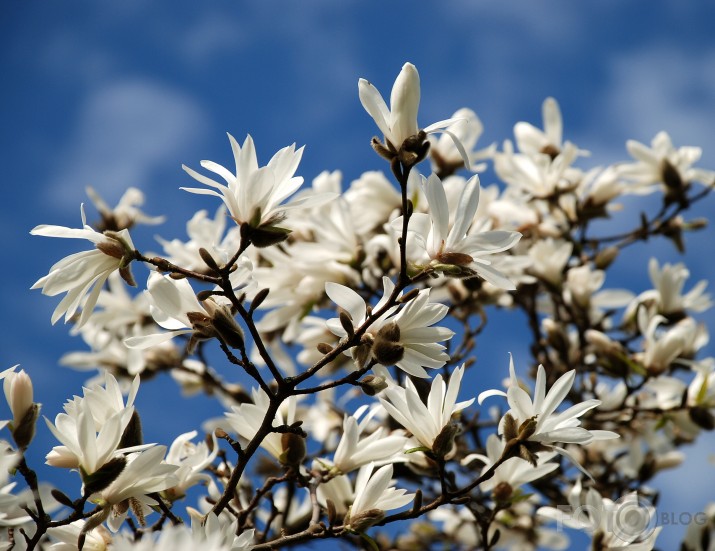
[502,492]
[409,295]
[527,428]
[444,442]
[372,385]
[387,353]
[259,298]
[362,521]
[265,235]
[62,498]
[133,435]
[24,431]
[104,476]
[227,328]
[19,394]
[606,257]
[347,323]
[208,259]
[293,449]
[702,417]
[324,348]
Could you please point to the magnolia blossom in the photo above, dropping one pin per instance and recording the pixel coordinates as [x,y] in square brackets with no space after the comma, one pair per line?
[126,213]
[67,536]
[82,275]
[192,460]
[246,420]
[174,306]
[467,128]
[145,472]
[92,427]
[399,122]
[624,524]
[255,195]
[430,423]
[374,494]
[663,163]
[204,233]
[512,473]
[667,297]
[378,447]
[448,247]
[537,421]
[405,339]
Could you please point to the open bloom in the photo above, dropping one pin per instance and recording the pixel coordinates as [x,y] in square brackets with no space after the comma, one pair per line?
[254,195]
[624,524]
[246,420]
[405,339]
[174,306]
[448,246]
[92,428]
[378,447]
[82,275]
[374,494]
[536,420]
[399,122]
[663,163]
[430,423]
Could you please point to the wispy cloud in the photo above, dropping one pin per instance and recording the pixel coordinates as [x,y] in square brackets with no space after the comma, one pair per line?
[125,132]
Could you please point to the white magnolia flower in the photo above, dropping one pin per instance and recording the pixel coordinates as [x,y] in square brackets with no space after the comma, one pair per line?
[399,122]
[378,447]
[663,163]
[549,141]
[255,195]
[624,524]
[537,421]
[667,297]
[549,258]
[18,393]
[405,339]
[450,248]
[192,460]
[374,494]
[512,473]
[92,427]
[11,513]
[246,419]
[144,473]
[126,213]
[467,128]
[204,233]
[430,423]
[66,537]
[174,307]
[82,275]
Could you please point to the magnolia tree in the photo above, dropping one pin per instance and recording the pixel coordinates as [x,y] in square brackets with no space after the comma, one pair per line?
[347,321]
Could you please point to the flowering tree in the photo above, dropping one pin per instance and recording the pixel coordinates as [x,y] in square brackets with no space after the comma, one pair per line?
[351,319]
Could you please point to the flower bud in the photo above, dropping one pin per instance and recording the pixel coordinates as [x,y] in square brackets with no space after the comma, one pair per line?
[363,521]
[293,449]
[386,347]
[18,393]
[444,442]
[502,492]
[404,104]
[104,476]
[372,385]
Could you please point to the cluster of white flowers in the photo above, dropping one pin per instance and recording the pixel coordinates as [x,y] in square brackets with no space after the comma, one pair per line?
[351,318]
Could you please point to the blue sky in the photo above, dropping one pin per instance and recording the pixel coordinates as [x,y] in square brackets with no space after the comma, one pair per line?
[123,93]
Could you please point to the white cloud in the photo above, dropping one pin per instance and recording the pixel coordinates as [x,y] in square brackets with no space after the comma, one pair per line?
[125,132]
[659,88]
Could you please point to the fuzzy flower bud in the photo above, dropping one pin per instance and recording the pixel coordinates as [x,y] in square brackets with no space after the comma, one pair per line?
[19,396]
